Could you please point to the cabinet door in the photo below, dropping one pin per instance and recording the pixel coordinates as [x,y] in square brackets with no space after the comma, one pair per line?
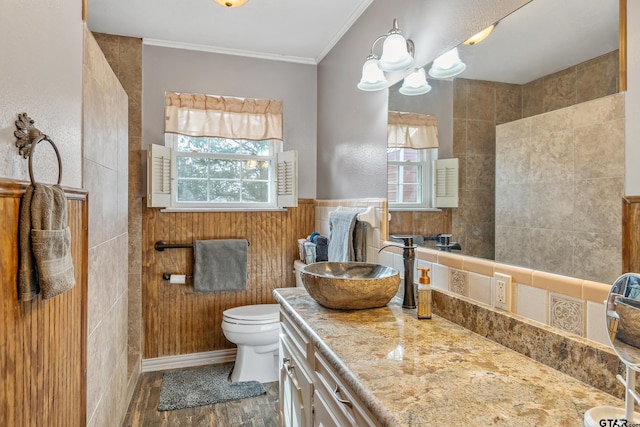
[296,390]
[323,414]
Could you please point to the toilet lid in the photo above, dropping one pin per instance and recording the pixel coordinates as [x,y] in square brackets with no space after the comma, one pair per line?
[259,313]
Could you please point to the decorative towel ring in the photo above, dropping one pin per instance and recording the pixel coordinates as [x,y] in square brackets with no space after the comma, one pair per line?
[27,137]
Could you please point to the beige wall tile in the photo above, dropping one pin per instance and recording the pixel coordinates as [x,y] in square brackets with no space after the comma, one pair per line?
[598,77]
[508,102]
[560,89]
[598,256]
[479,239]
[567,313]
[478,265]
[481,104]
[552,250]
[595,291]
[513,160]
[450,260]
[564,285]
[459,281]
[513,246]
[598,205]
[590,144]
[518,274]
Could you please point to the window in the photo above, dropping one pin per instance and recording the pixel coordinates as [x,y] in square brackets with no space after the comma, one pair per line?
[223,170]
[409,178]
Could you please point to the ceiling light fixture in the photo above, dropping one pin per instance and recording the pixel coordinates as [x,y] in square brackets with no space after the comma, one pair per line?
[231,3]
[447,65]
[397,55]
[478,37]
[415,83]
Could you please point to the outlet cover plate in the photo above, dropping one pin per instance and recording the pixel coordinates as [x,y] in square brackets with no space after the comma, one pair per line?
[502,294]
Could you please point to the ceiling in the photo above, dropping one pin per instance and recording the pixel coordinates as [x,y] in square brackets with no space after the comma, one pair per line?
[301,31]
[543,37]
[564,32]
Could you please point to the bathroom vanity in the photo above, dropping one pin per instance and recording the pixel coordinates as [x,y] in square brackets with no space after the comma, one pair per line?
[384,367]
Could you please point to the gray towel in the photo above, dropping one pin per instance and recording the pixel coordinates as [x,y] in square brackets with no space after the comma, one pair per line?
[46,266]
[220,265]
[341,226]
[360,241]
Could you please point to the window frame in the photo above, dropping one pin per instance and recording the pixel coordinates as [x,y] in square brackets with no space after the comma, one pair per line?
[427,159]
[276,146]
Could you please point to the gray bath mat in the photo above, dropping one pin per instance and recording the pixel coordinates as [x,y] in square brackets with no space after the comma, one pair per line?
[203,386]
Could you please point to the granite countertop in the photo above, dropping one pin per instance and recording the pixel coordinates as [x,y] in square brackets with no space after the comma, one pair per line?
[411,372]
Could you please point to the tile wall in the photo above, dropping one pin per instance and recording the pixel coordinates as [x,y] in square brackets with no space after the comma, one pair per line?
[105,150]
[374,231]
[479,106]
[124,55]
[559,186]
[566,303]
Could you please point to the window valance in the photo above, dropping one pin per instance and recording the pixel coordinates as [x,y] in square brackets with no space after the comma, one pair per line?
[412,130]
[200,115]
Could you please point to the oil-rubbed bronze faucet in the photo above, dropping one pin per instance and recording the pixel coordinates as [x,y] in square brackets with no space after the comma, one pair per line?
[409,257]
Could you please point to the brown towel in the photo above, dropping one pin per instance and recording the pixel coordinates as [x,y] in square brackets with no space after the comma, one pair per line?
[47,241]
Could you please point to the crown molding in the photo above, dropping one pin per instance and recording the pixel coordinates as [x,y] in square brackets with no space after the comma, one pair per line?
[341,32]
[226,51]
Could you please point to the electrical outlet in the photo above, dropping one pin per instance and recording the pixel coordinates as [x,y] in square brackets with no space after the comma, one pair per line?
[502,295]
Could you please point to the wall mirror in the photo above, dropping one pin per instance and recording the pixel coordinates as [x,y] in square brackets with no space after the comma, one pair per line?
[544,57]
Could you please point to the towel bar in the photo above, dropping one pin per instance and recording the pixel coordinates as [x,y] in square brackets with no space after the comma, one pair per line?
[161,245]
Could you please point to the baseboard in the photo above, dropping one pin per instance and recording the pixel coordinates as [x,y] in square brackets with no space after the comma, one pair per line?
[188,360]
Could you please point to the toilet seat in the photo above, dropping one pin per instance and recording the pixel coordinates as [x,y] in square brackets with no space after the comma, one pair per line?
[259,314]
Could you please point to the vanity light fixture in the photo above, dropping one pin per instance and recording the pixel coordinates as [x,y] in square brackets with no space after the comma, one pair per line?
[397,55]
[478,37]
[372,76]
[447,65]
[231,3]
[415,83]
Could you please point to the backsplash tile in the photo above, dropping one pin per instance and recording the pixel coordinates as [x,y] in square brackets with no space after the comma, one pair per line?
[567,313]
[532,303]
[596,323]
[440,276]
[459,281]
[480,288]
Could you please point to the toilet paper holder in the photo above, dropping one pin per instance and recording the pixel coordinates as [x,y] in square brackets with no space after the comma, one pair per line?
[167,276]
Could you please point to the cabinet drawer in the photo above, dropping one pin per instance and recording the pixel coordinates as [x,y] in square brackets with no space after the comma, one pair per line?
[298,339]
[339,397]
[296,388]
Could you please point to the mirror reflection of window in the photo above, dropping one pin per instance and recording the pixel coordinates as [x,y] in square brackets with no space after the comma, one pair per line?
[412,145]
[409,175]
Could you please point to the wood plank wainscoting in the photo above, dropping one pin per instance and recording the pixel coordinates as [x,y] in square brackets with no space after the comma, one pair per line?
[42,343]
[631,234]
[178,321]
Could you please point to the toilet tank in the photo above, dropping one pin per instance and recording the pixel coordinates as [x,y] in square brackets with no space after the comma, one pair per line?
[298,266]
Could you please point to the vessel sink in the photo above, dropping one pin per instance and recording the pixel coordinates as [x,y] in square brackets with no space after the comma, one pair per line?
[350,285]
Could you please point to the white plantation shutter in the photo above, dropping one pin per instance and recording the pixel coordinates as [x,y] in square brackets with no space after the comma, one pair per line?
[158,176]
[287,176]
[446,183]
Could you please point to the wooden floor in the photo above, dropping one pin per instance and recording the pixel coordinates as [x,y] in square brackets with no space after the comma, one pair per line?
[260,411]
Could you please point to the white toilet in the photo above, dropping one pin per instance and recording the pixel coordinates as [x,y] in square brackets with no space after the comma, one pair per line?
[255,330]
[297,267]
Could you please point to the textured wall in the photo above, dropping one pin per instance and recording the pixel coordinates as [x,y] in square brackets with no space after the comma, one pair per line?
[124,55]
[559,184]
[180,70]
[178,320]
[352,124]
[41,71]
[106,179]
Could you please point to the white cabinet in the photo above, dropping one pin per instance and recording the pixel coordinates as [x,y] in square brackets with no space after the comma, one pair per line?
[311,392]
[296,379]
